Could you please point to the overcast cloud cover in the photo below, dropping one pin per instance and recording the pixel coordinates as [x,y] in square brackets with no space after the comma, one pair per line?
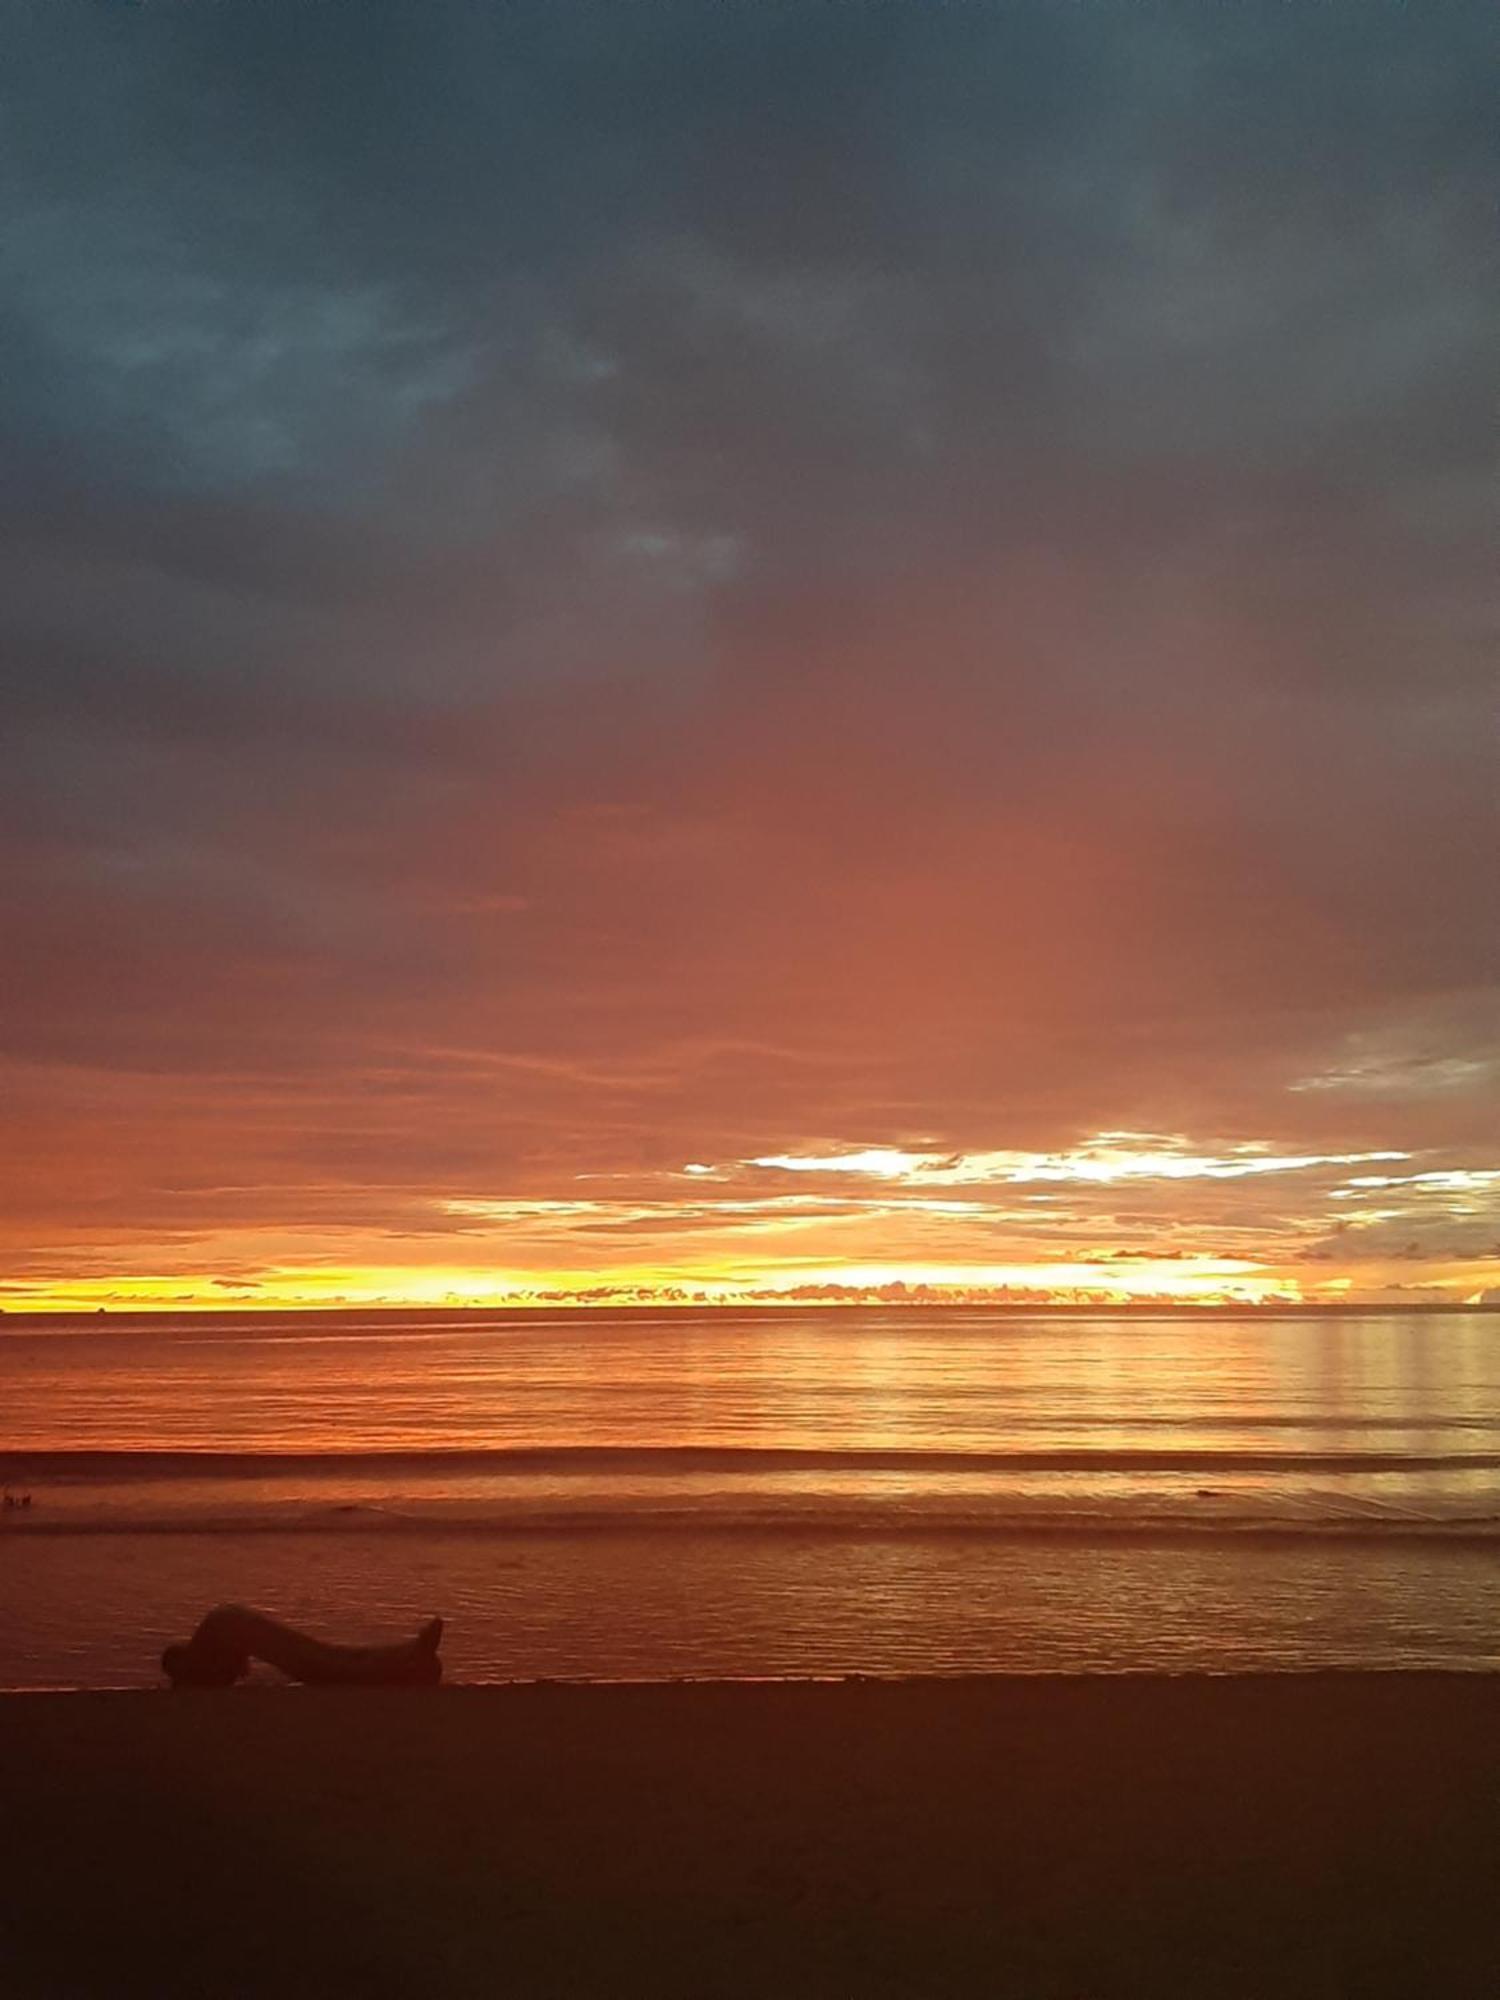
[589,589]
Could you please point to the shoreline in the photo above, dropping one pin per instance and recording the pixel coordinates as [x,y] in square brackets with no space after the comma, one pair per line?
[1008,1677]
[1040,1837]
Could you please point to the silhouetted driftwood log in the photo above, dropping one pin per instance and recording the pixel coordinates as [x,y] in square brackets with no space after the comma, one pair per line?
[231,1636]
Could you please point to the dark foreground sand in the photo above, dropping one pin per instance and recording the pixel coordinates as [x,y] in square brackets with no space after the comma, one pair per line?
[1276,1837]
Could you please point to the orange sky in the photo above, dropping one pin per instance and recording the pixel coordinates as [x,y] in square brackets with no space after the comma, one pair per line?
[847,648]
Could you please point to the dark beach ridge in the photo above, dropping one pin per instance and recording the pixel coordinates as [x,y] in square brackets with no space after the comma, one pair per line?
[1289,1835]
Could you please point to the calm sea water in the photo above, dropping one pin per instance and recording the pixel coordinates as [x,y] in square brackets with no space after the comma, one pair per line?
[643,1494]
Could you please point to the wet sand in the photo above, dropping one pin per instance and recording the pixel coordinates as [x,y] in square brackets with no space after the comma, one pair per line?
[1280,1836]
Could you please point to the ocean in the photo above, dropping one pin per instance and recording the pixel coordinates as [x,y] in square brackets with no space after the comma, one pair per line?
[662,1493]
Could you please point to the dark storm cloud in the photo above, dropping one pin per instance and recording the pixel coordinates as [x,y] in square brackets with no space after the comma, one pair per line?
[946,546]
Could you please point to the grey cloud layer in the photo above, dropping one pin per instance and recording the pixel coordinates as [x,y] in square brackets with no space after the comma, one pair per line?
[587,533]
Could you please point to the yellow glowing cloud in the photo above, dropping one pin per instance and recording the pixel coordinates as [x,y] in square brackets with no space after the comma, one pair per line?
[884,1162]
[1102,1160]
[1448,1180]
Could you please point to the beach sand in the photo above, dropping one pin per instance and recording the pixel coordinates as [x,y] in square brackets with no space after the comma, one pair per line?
[1271,1836]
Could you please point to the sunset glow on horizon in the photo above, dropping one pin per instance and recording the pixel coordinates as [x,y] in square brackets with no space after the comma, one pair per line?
[742,1235]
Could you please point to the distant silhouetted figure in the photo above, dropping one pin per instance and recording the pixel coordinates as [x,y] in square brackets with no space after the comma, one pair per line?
[231,1636]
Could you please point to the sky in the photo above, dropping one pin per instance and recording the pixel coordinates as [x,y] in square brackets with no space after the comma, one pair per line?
[720,650]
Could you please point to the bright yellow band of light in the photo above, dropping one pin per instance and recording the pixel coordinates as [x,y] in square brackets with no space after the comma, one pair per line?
[1206,1281]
